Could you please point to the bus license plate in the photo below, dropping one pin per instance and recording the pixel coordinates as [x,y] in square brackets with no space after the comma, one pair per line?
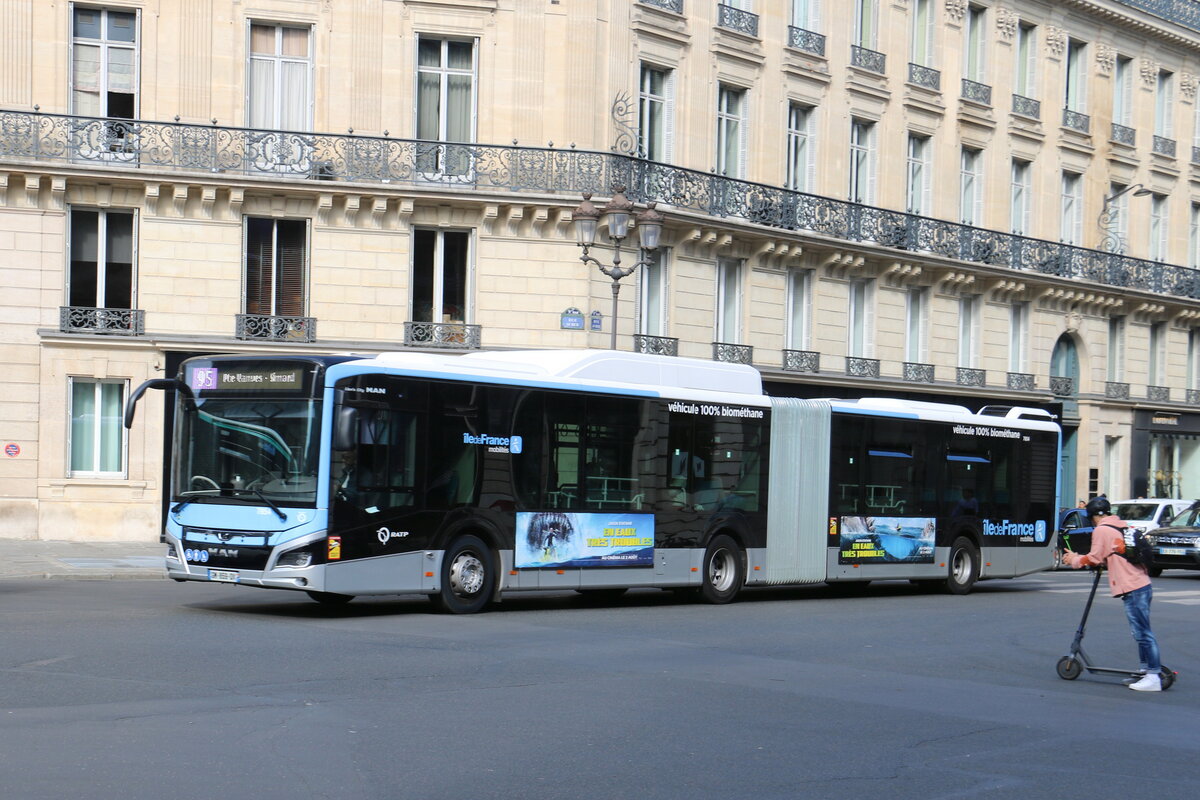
[1172,551]
[223,575]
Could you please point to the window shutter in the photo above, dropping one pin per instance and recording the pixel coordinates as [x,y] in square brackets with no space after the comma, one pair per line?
[257,236]
[872,164]
[744,131]
[810,151]
[290,297]
[669,118]
[869,320]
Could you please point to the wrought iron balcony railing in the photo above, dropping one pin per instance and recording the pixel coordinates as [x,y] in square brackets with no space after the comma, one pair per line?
[493,169]
[918,373]
[735,19]
[1062,386]
[866,59]
[276,329]
[443,335]
[669,5]
[976,92]
[115,321]
[1115,390]
[1021,381]
[1026,107]
[1164,146]
[1123,135]
[801,361]
[1158,394]
[808,41]
[969,376]
[733,353]
[862,367]
[1076,121]
[1192,397]
[928,77]
[655,345]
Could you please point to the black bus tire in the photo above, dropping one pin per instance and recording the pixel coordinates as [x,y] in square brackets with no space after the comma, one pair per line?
[963,566]
[468,576]
[723,571]
[330,598]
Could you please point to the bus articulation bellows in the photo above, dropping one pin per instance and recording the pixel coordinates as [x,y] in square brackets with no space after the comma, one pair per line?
[465,477]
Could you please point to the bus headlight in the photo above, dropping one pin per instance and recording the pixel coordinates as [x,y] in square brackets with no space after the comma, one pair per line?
[295,559]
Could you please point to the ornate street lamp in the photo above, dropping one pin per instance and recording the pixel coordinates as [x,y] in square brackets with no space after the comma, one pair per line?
[616,214]
[1112,241]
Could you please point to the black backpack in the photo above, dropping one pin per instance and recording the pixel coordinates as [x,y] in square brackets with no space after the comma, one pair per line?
[1134,547]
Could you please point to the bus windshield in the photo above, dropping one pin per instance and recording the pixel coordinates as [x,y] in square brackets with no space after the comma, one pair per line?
[260,450]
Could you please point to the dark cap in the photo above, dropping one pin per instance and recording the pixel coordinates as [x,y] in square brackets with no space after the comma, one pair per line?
[1099,507]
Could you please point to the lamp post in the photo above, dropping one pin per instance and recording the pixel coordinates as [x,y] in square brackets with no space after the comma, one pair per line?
[1112,241]
[617,213]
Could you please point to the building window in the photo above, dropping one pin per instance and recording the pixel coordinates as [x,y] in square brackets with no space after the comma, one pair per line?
[865,23]
[922,33]
[862,161]
[1026,77]
[445,102]
[653,294]
[655,113]
[1112,463]
[441,276]
[1123,91]
[101,273]
[1022,196]
[976,31]
[971,187]
[729,300]
[1118,214]
[1158,343]
[915,318]
[1164,108]
[1076,88]
[1194,237]
[1193,358]
[1071,229]
[800,162]
[731,131]
[280,77]
[806,14]
[97,435]
[859,319]
[968,331]
[1116,349]
[799,308]
[1159,227]
[104,63]
[1018,322]
[918,189]
[276,267]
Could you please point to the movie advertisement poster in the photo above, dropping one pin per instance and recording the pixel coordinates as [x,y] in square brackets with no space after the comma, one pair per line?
[575,540]
[886,540]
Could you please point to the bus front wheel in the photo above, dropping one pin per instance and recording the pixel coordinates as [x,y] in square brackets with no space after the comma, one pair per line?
[468,577]
[964,566]
[723,571]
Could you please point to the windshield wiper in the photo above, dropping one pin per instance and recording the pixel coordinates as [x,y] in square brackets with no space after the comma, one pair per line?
[187,499]
[282,516]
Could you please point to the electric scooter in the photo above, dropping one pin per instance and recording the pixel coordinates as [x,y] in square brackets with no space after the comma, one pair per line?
[1072,665]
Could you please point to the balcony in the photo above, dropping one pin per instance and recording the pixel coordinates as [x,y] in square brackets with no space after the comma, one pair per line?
[809,42]
[869,60]
[918,373]
[1020,382]
[443,335]
[733,353]
[926,77]
[655,345]
[976,92]
[969,376]
[1114,390]
[111,321]
[735,19]
[1192,397]
[1123,135]
[263,327]
[1158,394]
[801,361]
[675,6]
[862,367]
[1164,146]
[1026,107]
[1062,386]
[1076,121]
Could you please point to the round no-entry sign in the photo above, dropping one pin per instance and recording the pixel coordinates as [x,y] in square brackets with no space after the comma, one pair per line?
[12,449]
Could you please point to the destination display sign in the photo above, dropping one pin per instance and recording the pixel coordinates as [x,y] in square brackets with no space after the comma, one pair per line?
[236,378]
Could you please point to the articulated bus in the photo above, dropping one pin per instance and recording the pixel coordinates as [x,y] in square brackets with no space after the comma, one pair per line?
[465,477]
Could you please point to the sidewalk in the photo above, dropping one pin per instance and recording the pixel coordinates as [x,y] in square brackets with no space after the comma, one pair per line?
[23,558]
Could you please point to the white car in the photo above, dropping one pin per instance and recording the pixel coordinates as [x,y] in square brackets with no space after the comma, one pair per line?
[1146,515]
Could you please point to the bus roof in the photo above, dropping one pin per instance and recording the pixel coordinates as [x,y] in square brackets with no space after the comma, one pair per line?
[1015,417]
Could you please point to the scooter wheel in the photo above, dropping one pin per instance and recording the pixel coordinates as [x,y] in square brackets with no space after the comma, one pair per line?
[1069,668]
[1168,677]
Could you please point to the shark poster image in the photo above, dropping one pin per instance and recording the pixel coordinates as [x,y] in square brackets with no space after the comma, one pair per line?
[597,539]
[886,540]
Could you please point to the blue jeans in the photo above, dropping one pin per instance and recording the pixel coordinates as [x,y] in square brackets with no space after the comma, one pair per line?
[1137,609]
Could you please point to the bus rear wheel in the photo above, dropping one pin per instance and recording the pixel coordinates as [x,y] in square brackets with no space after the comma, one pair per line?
[724,571]
[964,566]
[468,577]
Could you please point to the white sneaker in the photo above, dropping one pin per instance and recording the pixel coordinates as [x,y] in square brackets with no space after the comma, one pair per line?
[1151,683]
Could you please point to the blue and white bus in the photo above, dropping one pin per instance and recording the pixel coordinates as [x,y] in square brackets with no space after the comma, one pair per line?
[467,477]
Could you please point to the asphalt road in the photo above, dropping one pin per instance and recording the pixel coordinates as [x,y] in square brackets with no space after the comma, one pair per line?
[150,690]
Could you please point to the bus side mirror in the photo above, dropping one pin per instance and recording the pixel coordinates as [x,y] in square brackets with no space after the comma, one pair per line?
[345,428]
